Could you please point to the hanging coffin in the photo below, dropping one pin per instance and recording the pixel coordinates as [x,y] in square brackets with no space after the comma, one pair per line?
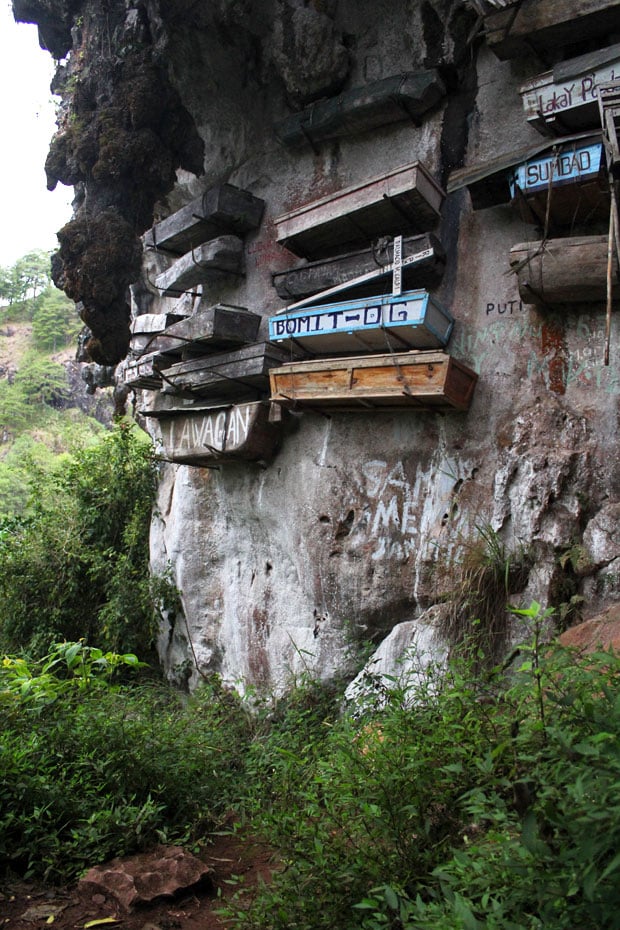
[424,263]
[411,320]
[222,209]
[240,373]
[234,432]
[572,178]
[406,200]
[208,262]
[417,380]
[542,25]
[563,271]
[566,98]
[143,373]
[146,329]
[217,327]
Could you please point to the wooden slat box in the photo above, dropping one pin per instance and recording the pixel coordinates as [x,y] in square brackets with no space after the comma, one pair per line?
[406,200]
[207,262]
[575,177]
[219,326]
[222,209]
[563,271]
[566,98]
[542,25]
[233,432]
[411,320]
[146,329]
[143,373]
[307,279]
[426,380]
[405,96]
[237,373]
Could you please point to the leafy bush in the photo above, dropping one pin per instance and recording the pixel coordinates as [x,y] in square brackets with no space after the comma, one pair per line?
[92,770]
[77,565]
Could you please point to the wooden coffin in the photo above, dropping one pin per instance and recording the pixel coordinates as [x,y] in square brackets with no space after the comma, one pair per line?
[543,25]
[426,267]
[574,177]
[233,432]
[411,320]
[563,271]
[143,373]
[406,200]
[400,97]
[239,373]
[427,380]
[566,98]
[205,263]
[492,183]
[218,326]
[146,329]
[222,209]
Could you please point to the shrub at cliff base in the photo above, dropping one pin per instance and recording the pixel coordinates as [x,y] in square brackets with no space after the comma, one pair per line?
[77,565]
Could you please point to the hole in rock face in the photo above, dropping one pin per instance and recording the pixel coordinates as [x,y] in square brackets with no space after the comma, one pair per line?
[344,526]
[324,518]
[268,568]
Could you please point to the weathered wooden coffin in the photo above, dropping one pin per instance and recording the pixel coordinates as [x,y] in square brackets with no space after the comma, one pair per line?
[426,380]
[239,373]
[425,271]
[207,262]
[222,209]
[147,328]
[563,271]
[566,98]
[405,96]
[143,373]
[406,200]
[234,432]
[217,326]
[543,25]
[411,320]
[574,177]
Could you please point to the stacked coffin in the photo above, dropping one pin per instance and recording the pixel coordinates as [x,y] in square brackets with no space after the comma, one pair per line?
[406,327]
[204,370]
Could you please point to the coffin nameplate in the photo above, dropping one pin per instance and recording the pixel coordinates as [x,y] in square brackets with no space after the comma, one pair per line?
[406,200]
[415,380]
[567,98]
[233,432]
[411,320]
[574,178]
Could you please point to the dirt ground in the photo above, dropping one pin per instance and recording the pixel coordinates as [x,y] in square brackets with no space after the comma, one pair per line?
[238,865]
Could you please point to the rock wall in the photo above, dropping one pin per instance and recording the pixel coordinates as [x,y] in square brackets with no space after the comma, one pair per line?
[358,524]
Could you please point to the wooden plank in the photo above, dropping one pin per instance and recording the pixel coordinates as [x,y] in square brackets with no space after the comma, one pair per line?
[405,200]
[222,209]
[207,262]
[543,25]
[563,271]
[226,373]
[309,278]
[410,320]
[429,380]
[566,97]
[405,96]
[235,432]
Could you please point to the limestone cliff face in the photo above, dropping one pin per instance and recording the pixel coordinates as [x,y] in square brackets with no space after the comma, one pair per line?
[357,524]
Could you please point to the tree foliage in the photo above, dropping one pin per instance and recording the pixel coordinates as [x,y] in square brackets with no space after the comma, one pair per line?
[23,282]
[77,565]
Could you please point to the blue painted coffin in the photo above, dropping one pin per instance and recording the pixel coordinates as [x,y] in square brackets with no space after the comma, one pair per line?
[578,164]
[412,320]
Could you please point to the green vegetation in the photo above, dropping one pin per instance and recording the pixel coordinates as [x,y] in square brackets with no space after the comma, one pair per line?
[468,801]
[38,418]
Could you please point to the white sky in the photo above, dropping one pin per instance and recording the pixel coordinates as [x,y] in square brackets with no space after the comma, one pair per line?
[29,213]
